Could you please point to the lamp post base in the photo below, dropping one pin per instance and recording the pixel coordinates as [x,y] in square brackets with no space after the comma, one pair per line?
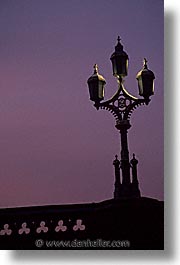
[127,191]
[124,189]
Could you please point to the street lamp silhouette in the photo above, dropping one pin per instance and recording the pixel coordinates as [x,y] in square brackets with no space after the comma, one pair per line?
[121,105]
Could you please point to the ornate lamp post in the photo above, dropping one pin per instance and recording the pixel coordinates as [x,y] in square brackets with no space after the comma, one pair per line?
[121,105]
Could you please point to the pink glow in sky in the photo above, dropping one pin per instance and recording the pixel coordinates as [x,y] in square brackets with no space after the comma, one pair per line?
[55,147]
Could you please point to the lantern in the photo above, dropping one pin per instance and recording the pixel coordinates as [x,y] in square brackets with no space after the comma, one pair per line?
[119,61]
[145,81]
[96,86]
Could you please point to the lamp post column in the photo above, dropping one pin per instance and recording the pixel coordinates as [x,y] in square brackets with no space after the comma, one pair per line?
[123,127]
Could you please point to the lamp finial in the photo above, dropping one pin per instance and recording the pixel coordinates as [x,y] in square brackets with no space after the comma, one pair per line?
[145,63]
[95,69]
[118,39]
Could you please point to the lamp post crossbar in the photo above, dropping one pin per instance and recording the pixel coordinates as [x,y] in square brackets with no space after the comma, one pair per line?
[121,104]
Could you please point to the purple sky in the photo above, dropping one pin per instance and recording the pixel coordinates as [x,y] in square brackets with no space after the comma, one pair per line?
[55,148]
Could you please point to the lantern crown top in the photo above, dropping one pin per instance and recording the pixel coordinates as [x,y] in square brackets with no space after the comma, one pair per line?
[145,70]
[96,75]
[119,46]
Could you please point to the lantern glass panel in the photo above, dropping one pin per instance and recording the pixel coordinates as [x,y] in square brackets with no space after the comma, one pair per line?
[101,90]
[114,67]
[96,90]
[148,84]
[120,66]
[93,88]
[140,85]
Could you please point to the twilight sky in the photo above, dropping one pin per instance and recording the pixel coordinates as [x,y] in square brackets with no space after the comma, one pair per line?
[55,147]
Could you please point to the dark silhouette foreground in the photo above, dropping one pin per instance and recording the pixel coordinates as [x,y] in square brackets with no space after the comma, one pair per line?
[125,224]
